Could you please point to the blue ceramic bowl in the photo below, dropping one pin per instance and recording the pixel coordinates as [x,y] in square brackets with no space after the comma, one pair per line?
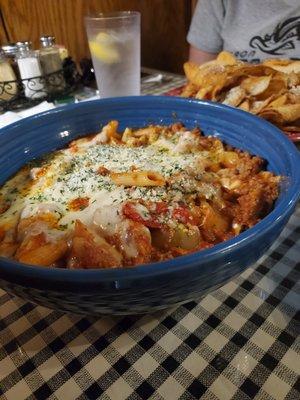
[156,286]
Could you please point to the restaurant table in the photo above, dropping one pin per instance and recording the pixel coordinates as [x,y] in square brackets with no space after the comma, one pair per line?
[239,342]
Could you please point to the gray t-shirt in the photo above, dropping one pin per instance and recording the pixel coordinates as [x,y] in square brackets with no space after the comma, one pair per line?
[252,30]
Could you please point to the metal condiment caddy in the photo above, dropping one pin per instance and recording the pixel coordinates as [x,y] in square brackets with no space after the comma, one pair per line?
[27,76]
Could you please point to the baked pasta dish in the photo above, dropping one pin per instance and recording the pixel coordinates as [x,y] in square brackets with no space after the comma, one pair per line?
[121,199]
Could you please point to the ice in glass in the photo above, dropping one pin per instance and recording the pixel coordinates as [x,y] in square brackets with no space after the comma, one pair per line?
[114,42]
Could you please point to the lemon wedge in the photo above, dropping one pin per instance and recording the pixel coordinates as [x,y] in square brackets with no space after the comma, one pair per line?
[104,51]
[104,37]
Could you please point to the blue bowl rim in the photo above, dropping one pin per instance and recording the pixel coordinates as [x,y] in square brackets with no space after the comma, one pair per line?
[86,276]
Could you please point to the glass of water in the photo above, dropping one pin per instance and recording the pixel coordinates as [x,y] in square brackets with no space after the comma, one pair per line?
[114,42]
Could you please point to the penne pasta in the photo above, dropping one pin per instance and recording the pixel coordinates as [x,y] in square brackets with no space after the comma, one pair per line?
[45,255]
[138,178]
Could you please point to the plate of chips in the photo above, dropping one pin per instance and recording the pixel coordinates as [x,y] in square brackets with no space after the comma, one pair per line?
[270,90]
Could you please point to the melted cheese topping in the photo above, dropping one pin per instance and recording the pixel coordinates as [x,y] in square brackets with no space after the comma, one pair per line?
[67,175]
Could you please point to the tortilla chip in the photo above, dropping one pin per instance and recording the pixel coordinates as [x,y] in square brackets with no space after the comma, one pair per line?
[276,86]
[191,70]
[235,96]
[233,79]
[245,105]
[255,70]
[218,79]
[276,61]
[293,80]
[258,105]
[270,90]
[289,112]
[207,74]
[286,66]
[283,114]
[204,93]
[280,101]
[294,95]
[255,85]
[189,90]
[272,115]
[226,58]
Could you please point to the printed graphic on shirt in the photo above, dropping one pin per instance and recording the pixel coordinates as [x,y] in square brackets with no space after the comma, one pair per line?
[249,56]
[283,40]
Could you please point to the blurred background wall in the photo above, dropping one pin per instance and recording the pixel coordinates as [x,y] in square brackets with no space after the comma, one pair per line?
[164,26]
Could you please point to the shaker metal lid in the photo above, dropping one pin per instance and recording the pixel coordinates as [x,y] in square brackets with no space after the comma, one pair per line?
[47,41]
[9,49]
[24,46]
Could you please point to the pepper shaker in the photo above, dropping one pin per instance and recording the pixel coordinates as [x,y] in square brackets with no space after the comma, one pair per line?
[51,64]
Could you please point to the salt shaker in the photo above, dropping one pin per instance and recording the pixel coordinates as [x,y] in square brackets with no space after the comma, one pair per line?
[30,71]
[51,63]
[8,85]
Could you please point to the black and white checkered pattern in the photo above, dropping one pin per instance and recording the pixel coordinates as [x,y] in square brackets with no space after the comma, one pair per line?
[169,81]
[240,342]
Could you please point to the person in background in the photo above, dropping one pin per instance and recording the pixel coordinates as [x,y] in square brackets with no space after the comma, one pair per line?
[252,30]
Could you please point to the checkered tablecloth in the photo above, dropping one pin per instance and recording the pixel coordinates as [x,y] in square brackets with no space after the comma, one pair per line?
[240,342]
